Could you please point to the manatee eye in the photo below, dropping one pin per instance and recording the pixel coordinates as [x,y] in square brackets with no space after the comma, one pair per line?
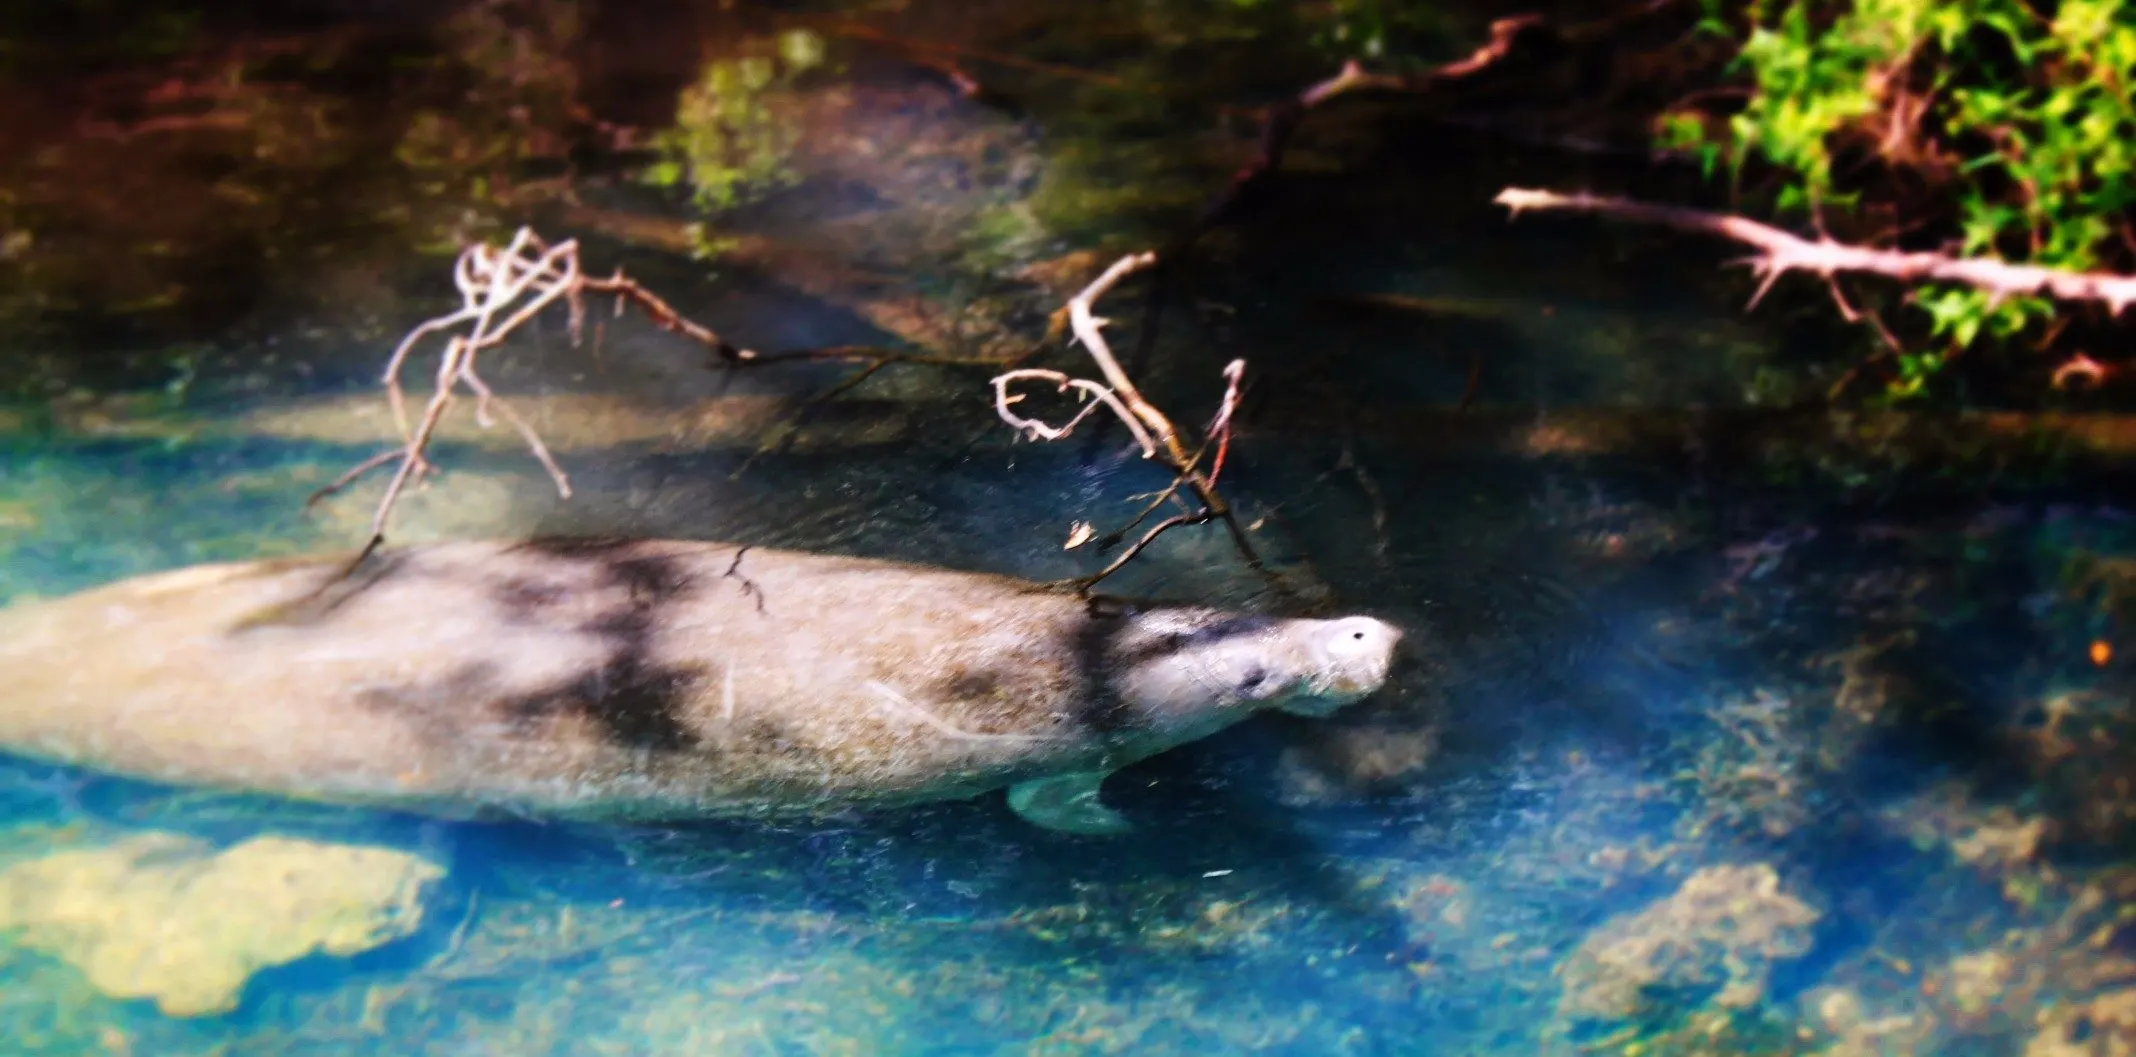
[1253,680]
[1354,637]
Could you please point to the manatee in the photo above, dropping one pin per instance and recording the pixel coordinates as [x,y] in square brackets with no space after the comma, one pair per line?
[646,680]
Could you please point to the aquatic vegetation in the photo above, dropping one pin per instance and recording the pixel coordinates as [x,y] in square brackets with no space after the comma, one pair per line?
[518,99]
[1763,776]
[731,139]
[2102,1027]
[1854,1028]
[171,918]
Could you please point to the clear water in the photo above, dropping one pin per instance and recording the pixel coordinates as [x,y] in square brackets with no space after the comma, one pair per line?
[1639,660]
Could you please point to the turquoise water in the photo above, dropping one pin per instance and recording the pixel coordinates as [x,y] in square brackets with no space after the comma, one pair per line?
[1746,739]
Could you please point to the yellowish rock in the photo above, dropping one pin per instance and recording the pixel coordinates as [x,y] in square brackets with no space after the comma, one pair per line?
[2002,839]
[1725,927]
[166,917]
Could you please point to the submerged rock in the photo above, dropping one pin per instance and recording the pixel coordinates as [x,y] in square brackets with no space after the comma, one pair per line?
[1857,1029]
[1725,927]
[568,422]
[1333,766]
[2102,1027]
[572,422]
[166,917]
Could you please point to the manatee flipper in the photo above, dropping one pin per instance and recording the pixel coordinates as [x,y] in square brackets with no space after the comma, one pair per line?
[1067,803]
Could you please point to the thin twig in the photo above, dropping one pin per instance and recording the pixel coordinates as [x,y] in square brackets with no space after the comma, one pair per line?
[354,473]
[664,315]
[1201,517]
[1851,314]
[1169,494]
[449,367]
[484,398]
[800,417]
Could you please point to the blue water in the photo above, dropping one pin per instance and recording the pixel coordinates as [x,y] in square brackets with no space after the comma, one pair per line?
[1628,667]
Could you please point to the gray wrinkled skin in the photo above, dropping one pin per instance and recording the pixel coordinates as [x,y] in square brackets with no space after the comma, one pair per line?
[643,679]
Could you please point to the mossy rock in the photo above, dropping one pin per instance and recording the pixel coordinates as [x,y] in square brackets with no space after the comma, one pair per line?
[167,917]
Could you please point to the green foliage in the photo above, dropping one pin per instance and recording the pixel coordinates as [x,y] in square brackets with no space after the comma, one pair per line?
[62,35]
[1385,33]
[2023,129]
[1358,28]
[522,87]
[728,142]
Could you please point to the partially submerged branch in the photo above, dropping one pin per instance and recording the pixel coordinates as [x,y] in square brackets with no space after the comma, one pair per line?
[1199,517]
[662,315]
[1279,125]
[1280,122]
[1037,429]
[1152,429]
[532,275]
[500,290]
[491,282]
[1780,252]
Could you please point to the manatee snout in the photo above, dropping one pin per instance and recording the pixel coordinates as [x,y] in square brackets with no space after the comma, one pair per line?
[1348,659]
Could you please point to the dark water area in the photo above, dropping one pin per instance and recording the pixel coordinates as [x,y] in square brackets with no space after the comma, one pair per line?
[1727,722]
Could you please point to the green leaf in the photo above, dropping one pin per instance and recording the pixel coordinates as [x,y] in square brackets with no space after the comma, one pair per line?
[663,173]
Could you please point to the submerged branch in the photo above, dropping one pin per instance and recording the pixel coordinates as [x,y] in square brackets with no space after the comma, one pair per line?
[664,316]
[1200,517]
[1780,252]
[855,30]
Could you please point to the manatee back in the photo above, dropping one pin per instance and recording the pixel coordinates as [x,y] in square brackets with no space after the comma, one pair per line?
[588,678]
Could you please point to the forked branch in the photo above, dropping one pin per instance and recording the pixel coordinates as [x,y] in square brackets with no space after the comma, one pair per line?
[500,290]
[514,283]
[1152,429]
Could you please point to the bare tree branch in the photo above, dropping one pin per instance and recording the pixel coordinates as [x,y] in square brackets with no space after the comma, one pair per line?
[1220,426]
[500,290]
[2092,371]
[1780,252]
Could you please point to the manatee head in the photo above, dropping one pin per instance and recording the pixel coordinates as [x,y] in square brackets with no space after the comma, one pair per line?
[1184,673]
[1346,660]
